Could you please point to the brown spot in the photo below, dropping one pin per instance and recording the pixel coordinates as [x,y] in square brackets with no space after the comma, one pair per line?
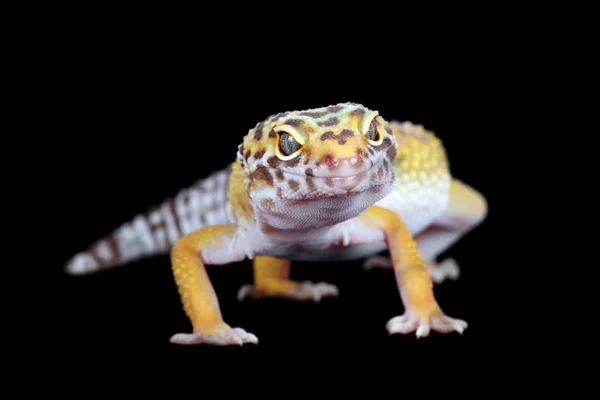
[294,185]
[370,150]
[273,161]
[309,172]
[391,152]
[294,122]
[341,138]
[357,112]
[267,204]
[293,162]
[272,134]
[262,174]
[333,109]
[280,115]
[381,171]
[259,154]
[306,161]
[314,114]
[247,155]
[259,131]
[279,175]
[310,183]
[328,135]
[280,193]
[386,166]
[329,182]
[387,142]
[329,122]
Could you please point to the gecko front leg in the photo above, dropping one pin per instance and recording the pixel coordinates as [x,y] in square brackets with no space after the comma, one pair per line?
[200,302]
[467,208]
[271,279]
[422,312]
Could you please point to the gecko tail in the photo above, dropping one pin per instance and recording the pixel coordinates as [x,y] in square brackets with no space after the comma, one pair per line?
[154,232]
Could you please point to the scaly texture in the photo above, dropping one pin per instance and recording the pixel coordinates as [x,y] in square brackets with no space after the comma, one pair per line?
[331,183]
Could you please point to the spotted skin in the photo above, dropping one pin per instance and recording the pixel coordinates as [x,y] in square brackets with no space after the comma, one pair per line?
[355,185]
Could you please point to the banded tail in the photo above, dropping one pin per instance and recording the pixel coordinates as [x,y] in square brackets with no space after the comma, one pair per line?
[154,233]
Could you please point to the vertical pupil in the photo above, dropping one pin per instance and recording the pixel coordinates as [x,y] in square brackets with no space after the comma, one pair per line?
[288,144]
[372,132]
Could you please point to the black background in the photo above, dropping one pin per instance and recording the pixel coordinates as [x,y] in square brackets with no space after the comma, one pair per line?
[137,125]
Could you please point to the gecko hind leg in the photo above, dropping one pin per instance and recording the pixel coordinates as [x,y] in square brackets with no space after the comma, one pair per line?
[467,208]
[271,279]
[444,270]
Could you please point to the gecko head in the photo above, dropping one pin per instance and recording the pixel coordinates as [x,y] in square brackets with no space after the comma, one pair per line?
[323,165]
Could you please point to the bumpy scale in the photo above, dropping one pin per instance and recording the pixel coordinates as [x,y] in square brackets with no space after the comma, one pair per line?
[333,183]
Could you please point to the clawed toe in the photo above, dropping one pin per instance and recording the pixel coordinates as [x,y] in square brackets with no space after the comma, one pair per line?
[378,262]
[314,291]
[225,337]
[303,291]
[445,270]
[422,326]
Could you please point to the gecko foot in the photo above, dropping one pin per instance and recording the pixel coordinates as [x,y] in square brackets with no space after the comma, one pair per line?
[447,269]
[439,272]
[224,337]
[303,291]
[411,322]
[378,262]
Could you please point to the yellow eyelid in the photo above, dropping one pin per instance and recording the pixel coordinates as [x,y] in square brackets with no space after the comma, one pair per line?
[366,121]
[296,133]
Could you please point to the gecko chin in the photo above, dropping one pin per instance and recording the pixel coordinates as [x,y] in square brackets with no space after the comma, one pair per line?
[318,212]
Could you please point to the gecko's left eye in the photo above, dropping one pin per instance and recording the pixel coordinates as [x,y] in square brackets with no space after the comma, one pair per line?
[373,134]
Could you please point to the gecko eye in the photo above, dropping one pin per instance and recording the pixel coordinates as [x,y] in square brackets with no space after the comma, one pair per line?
[287,145]
[373,134]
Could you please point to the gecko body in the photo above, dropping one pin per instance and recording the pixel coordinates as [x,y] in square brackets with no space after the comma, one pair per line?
[334,183]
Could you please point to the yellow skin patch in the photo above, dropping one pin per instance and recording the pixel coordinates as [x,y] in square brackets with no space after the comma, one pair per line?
[420,153]
[397,157]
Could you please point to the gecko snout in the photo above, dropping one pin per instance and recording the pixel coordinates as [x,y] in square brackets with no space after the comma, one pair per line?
[344,173]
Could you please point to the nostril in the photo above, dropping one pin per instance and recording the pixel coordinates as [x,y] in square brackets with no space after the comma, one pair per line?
[330,161]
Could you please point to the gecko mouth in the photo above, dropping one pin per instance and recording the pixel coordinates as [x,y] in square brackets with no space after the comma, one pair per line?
[348,182]
[345,180]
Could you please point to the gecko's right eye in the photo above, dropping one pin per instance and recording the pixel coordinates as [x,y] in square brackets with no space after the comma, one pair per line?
[288,146]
